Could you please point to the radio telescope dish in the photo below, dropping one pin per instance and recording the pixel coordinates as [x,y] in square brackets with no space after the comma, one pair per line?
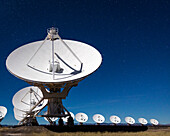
[52,64]
[65,119]
[73,60]
[27,97]
[115,119]
[130,120]
[3,112]
[154,122]
[142,121]
[81,117]
[98,118]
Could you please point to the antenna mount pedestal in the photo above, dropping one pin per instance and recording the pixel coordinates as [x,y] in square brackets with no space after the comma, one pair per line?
[57,93]
[55,97]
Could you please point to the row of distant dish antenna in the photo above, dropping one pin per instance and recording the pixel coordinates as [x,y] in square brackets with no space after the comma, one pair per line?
[98,118]
[3,112]
[25,99]
[80,117]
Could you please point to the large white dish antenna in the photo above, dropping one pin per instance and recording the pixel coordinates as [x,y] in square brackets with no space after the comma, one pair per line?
[81,117]
[115,119]
[98,118]
[130,120]
[3,112]
[32,62]
[65,119]
[142,121]
[28,97]
[154,122]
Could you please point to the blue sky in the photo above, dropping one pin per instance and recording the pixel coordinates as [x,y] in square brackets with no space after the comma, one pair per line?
[132,36]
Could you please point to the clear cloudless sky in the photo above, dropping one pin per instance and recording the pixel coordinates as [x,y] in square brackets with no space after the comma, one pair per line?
[133,37]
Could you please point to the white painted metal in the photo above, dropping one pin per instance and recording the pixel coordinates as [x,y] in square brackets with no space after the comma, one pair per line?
[81,117]
[3,112]
[18,114]
[129,120]
[18,117]
[37,69]
[154,122]
[142,121]
[115,119]
[65,119]
[98,118]
[28,97]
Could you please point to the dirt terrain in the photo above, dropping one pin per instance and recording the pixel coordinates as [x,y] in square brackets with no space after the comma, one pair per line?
[42,131]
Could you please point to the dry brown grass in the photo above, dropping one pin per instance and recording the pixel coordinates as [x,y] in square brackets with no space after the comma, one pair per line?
[150,132]
[162,133]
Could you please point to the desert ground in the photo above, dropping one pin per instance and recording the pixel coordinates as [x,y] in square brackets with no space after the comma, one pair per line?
[42,131]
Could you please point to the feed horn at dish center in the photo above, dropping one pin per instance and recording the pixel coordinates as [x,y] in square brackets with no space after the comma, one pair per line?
[54,65]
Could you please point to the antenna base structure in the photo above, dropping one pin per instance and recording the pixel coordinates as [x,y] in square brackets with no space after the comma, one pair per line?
[30,121]
[57,93]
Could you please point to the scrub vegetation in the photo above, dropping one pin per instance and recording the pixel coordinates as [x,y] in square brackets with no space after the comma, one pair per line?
[161,133]
[40,131]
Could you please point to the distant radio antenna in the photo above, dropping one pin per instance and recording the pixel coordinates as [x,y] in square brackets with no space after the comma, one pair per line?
[81,118]
[115,119]
[98,118]
[3,112]
[154,122]
[130,120]
[142,121]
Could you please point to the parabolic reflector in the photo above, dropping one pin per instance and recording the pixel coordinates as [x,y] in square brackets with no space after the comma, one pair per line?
[154,122]
[28,97]
[32,62]
[52,64]
[98,118]
[130,120]
[81,117]
[142,121]
[3,112]
[115,119]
